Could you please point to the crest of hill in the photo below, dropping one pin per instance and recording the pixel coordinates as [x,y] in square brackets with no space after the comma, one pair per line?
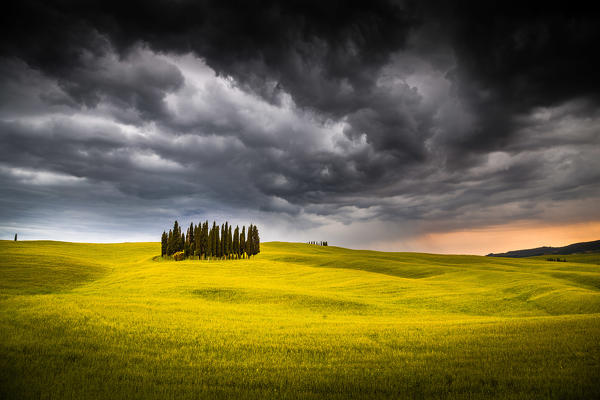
[582,247]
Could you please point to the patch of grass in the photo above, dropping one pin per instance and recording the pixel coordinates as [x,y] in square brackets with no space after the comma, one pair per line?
[585,258]
[40,270]
[297,321]
[269,298]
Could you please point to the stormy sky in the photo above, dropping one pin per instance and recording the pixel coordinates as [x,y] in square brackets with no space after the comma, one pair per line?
[409,126]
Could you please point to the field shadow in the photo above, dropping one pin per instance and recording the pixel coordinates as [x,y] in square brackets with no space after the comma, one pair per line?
[24,274]
[268,297]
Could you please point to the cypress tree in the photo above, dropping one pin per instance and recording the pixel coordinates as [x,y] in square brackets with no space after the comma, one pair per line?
[170,245]
[217,242]
[229,240]
[190,239]
[243,241]
[213,249]
[222,243]
[220,247]
[210,246]
[177,244]
[230,243]
[199,248]
[255,241]
[249,242]
[197,241]
[225,239]
[236,242]
[205,240]
[200,239]
[187,249]
[163,244]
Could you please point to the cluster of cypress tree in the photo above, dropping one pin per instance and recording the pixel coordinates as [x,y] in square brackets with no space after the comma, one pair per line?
[218,242]
[322,243]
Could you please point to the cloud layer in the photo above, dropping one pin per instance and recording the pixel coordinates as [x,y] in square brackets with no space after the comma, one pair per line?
[322,120]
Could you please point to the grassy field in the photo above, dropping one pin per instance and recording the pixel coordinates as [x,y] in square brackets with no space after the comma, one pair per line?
[586,258]
[112,321]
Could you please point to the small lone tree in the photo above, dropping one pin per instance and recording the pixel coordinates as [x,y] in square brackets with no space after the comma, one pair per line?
[15,237]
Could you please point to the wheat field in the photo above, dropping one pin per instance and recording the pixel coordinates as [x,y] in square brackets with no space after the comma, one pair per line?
[114,321]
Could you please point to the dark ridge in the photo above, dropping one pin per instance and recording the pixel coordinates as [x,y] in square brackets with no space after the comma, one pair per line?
[583,247]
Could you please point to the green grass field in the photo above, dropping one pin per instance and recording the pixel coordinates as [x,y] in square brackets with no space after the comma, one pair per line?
[112,321]
[586,258]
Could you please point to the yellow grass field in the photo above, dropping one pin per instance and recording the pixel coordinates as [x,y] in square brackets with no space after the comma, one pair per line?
[113,321]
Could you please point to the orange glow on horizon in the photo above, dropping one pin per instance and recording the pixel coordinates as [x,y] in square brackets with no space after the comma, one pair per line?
[500,239]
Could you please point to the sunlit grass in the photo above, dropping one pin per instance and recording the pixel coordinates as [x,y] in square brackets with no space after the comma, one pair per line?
[298,321]
[586,258]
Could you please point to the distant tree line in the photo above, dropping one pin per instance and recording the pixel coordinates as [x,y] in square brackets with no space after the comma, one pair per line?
[216,242]
[556,259]
[318,243]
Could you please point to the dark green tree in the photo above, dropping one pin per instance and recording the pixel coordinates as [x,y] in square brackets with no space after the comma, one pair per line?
[197,240]
[170,245]
[187,249]
[225,239]
[190,239]
[163,244]
[255,241]
[175,243]
[249,242]
[213,241]
[218,247]
[236,242]
[211,244]
[205,238]
[243,242]
[230,243]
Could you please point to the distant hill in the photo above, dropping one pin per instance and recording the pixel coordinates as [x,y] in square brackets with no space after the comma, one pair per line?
[583,247]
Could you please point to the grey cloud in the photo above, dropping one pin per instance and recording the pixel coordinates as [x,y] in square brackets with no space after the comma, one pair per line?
[310,116]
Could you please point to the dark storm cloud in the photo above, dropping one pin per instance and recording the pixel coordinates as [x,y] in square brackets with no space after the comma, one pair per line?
[462,114]
[326,54]
[512,58]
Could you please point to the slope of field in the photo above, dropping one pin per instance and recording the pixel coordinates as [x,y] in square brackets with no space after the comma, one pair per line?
[297,321]
[574,248]
[585,258]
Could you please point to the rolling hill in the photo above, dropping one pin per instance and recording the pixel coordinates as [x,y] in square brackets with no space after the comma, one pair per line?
[297,321]
[582,247]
